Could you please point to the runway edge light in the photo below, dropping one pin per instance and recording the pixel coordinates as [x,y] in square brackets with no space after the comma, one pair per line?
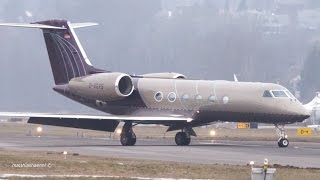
[212,133]
[65,154]
[39,129]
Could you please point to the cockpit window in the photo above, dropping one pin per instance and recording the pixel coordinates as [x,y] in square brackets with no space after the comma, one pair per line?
[290,94]
[279,93]
[267,94]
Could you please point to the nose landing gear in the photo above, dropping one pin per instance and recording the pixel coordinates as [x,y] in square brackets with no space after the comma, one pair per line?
[127,136]
[282,141]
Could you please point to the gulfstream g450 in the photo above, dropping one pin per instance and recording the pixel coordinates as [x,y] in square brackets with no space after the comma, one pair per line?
[169,99]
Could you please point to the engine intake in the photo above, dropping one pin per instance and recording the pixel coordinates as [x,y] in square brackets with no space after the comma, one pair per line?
[103,86]
[124,85]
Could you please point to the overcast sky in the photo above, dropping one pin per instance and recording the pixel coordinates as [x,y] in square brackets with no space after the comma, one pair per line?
[203,40]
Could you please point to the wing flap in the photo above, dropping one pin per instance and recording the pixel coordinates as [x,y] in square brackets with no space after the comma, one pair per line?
[92,124]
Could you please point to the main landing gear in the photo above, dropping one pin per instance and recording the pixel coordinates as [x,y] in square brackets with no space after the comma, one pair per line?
[282,141]
[183,138]
[127,136]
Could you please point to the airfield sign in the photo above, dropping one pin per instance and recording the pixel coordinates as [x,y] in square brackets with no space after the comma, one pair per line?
[304,131]
[243,125]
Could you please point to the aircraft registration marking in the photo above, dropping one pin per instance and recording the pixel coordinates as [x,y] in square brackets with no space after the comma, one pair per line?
[96,86]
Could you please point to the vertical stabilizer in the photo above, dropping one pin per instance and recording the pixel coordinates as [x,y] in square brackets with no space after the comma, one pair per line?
[66,54]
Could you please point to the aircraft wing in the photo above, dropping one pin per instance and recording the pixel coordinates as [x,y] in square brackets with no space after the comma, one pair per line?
[93,122]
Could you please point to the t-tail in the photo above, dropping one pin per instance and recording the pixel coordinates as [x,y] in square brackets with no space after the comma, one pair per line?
[67,57]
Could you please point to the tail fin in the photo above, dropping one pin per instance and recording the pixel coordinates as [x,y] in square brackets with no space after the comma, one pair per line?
[67,57]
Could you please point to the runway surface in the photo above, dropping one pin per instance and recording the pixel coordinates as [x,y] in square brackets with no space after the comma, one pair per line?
[204,152]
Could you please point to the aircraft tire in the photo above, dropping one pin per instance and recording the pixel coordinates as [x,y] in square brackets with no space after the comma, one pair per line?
[133,139]
[283,142]
[181,139]
[187,141]
[127,139]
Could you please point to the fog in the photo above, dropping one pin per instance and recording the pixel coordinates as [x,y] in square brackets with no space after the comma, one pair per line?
[269,41]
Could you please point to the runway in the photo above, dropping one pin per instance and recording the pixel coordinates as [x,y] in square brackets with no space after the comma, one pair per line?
[298,154]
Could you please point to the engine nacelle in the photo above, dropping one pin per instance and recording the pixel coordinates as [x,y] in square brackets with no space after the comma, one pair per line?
[102,86]
[166,75]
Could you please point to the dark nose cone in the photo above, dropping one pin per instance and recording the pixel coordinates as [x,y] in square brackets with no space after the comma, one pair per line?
[302,114]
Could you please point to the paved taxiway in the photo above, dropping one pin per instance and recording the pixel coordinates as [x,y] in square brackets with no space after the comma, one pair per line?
[207,152]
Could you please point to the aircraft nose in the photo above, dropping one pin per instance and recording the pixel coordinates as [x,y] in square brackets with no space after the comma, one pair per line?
[304,116]
[302,113]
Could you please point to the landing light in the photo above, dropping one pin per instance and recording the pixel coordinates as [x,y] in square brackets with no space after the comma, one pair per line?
[119,131]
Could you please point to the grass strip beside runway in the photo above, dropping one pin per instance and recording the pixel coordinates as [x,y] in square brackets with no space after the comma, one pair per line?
[53,163]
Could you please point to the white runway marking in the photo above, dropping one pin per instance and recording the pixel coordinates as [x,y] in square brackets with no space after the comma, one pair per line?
[230,144]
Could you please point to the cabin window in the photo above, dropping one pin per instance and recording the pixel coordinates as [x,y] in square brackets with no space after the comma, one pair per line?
[158,96]
[185,97]
[212,98]
[198,97]
[172,97]
[267,94]
[279,93]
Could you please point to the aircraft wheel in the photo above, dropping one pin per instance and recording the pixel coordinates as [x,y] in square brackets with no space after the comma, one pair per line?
[128,139]
[283,142]
[133,139]
[187,141]
[182,139]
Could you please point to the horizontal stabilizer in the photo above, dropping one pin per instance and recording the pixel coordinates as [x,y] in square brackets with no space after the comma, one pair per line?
[26,25]
[81,25]
[42,26]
